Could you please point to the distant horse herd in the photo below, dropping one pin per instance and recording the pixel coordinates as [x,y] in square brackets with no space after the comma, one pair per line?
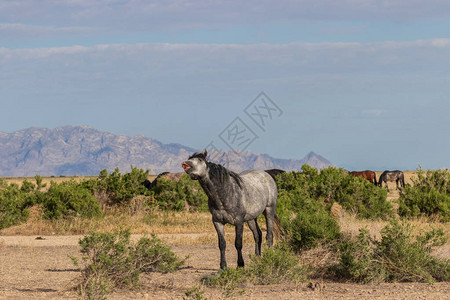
[386,176]
[240,198]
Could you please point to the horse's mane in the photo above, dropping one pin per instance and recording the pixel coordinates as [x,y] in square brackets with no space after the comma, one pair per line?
[218,174]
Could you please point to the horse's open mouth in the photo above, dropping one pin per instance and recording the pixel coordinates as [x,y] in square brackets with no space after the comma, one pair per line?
[185,166]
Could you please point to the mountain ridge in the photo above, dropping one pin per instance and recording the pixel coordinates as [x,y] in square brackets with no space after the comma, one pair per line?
[83,150]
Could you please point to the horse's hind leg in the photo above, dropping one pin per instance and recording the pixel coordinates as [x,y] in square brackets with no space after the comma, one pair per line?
[269,213]
[257,235]
[222,244]
[238,243]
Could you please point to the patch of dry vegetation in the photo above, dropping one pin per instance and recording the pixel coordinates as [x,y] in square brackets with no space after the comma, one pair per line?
[46,180]
[351,225]
[154,222]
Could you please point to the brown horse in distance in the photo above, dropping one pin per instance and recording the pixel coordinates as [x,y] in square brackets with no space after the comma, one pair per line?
[367,174]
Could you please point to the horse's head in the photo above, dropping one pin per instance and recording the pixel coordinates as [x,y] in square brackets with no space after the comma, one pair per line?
[195,166]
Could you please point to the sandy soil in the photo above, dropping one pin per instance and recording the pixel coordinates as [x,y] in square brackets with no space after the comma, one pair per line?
[33,268]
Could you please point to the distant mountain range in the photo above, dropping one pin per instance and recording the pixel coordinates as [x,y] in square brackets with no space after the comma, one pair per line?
[82,150]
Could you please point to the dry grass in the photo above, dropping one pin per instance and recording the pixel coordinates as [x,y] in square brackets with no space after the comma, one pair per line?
[350,225]
[151,222]
[180,228]
[57,179]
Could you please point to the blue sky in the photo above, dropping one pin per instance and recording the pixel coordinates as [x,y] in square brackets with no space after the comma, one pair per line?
[366,84]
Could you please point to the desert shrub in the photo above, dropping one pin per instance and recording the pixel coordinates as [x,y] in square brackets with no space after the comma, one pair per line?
[15,200]
[276,265]
[27,186]
[185,194]
[13,204]
[311,227]
[355,194]
[39,184]
[69,198]
[429,195]
[305,221]
[397,257]
[196,293]
[305,199]
[227,280]
[120,188]
[111,261]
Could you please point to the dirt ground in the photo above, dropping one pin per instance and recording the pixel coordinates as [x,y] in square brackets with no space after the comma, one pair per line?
[33,268]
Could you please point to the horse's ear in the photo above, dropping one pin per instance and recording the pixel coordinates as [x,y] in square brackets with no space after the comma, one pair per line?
[205,153]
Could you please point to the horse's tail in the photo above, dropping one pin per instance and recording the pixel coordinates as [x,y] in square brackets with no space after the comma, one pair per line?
[278,230]
[274,172]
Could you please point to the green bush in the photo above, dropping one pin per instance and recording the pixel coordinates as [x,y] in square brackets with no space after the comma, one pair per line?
[120,188]
[397,257]
[180,195]
[227,280]
[310,228]
[13,204]
[305,199]
[355,194]
[196,293]
[69,198]
[15,201]
[306,222]
[276,265]
[429,195]
[112,261]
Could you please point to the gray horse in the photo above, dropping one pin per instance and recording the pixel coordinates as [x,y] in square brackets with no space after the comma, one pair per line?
[396,176]
[234,199]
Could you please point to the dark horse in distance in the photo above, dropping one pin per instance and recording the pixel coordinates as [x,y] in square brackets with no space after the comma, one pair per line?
[234,199]
[396,176]
[168,175]
[367,174]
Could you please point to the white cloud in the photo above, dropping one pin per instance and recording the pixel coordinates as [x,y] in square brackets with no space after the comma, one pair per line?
[129,15]
[238,61]
[135,70]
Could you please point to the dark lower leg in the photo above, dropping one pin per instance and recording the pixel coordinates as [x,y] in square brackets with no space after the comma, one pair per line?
[257,235]
[238,243]
[222,244]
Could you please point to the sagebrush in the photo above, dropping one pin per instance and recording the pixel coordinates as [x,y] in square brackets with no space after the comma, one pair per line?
[398,256]
[276,265]
[111,260]
[429,195]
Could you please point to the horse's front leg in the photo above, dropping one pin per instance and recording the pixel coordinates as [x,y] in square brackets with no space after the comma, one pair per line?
[238,243]
[222,244]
